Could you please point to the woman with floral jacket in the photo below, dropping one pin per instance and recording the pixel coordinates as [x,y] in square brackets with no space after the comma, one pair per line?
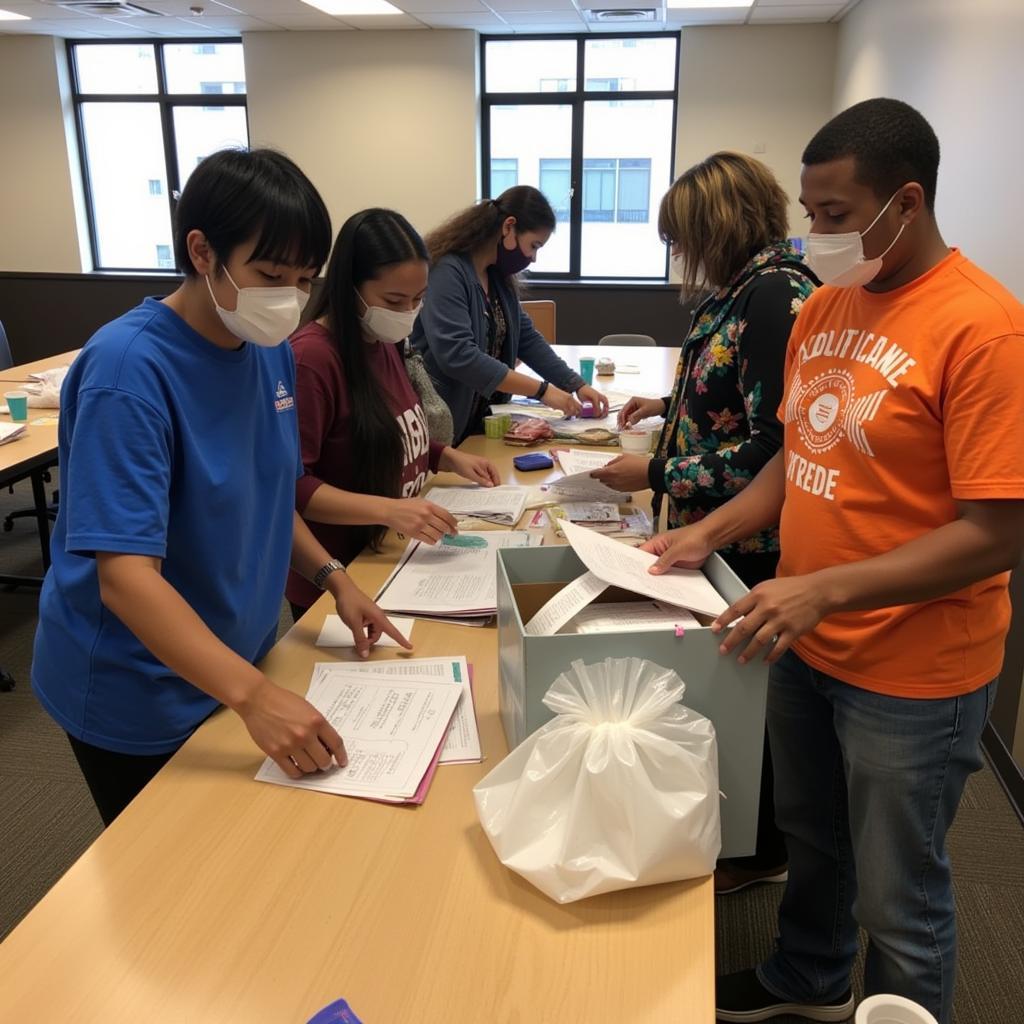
[725,219]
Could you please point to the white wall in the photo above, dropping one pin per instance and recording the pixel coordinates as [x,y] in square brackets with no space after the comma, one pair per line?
[755,84]
[38,226]
[374,118]
[960,65]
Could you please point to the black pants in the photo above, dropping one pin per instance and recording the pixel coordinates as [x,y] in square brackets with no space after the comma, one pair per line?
[114,780]
[770,851]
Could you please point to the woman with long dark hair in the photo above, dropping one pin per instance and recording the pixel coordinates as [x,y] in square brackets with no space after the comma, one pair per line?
[473,329]
[365,443]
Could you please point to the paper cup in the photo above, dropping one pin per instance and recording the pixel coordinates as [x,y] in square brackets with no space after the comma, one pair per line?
[635,442]
[587,369]
[892,1010]
[17,405]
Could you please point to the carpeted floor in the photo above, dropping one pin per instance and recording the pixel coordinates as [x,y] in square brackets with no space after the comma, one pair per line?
[47,819]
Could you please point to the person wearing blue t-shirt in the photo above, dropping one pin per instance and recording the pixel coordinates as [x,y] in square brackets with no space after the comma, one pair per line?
[178,448]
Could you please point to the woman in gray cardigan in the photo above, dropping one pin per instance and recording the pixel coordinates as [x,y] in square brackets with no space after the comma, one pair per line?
[472,329]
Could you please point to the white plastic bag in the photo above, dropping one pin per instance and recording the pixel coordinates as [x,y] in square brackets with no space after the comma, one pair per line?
[619,790]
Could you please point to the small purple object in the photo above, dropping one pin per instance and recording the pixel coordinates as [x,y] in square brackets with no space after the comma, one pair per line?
[339,1012]
[587,412]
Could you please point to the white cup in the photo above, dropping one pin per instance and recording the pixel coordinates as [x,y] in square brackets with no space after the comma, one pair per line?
[636,442]
[884,1009]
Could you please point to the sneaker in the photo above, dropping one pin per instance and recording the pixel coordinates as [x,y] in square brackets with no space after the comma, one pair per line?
[742,999]
[730,878]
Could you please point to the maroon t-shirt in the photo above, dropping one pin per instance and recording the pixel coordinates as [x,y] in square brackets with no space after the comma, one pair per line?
[325,433]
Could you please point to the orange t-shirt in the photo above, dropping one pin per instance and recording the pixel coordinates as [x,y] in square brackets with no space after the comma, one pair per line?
[897,405]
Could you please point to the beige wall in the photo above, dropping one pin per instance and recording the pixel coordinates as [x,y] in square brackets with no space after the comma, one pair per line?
[742,87]
[38,226]
[374,118]
[960,65]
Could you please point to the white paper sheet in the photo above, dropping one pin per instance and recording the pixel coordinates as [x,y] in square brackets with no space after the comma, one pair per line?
[629,617]
[579,460]
[565,604]
[503,505]
[626,567]
[462,742]
[449,579]
[335,633]
[391,730]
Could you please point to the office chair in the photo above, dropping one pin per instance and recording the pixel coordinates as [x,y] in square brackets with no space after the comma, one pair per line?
[629,340]
[6,362]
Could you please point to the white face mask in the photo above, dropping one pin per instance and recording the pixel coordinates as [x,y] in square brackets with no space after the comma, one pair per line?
[390,325]
[839,259]
[676,263]
[264,316]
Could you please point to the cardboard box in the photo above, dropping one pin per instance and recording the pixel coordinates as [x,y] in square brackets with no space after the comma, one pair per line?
[730,694]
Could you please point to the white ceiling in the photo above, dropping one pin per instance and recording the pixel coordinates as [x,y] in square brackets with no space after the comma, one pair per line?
[231,17]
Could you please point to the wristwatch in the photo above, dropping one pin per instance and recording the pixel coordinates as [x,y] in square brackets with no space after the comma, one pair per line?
[540,391]
[325,570]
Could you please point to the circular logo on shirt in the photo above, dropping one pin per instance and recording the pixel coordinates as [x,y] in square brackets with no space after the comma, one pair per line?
[822,407]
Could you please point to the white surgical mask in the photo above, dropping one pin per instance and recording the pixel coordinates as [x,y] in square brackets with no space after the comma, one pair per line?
[839,259]
[390,325]
[264,316]
[676,262]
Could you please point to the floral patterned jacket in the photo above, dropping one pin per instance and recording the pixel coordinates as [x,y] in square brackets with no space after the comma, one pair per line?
[721,425]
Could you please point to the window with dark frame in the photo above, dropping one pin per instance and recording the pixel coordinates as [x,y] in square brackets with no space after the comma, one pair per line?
[590,121]
[144,122]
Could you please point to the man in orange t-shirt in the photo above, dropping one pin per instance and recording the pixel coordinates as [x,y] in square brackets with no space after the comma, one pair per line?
[900,487]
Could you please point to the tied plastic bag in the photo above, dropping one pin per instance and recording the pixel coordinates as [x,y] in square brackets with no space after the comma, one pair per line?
[619,790]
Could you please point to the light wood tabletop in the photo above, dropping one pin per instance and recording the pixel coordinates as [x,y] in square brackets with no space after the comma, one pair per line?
[21,371]
[214,898]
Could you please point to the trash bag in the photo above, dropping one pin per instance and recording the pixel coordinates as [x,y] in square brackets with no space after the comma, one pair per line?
[619,790]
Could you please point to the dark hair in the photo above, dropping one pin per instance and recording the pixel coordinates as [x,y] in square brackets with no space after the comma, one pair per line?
[891,143]
[237,194]
[367,243]
[473,227]
[721,212]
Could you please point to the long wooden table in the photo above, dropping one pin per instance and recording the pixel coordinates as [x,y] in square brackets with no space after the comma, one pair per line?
[213,898]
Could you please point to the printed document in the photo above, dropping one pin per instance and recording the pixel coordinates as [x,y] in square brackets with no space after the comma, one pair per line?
[501,505]
[462,742]
[458,577]
[625,567]
[392,730]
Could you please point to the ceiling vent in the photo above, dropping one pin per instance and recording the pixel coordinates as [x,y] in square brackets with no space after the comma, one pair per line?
[108,8]
[621,15]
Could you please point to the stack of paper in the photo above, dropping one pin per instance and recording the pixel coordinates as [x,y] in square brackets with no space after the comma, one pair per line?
[393,731]
[578,484]
[633,527]
[11,431]
[502,506]
[454,581]
[629,617]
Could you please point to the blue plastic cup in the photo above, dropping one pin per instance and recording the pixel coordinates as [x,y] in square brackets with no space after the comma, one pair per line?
[587,369]
[17,405]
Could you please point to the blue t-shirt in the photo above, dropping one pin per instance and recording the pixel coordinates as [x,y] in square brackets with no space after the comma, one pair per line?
[175,448]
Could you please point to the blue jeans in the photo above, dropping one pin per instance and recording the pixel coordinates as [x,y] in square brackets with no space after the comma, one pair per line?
[866,787]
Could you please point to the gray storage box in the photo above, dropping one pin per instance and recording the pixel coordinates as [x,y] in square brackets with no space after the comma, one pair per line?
[730,694]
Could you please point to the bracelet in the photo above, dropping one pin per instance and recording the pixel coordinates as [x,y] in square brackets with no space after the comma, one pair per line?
[325,570]
[540,391]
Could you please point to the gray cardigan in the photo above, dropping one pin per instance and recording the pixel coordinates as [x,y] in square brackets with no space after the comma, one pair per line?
[451,333]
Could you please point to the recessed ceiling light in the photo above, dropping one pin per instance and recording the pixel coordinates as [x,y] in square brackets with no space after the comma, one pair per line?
[11,16]
[352,8]
[697,4]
